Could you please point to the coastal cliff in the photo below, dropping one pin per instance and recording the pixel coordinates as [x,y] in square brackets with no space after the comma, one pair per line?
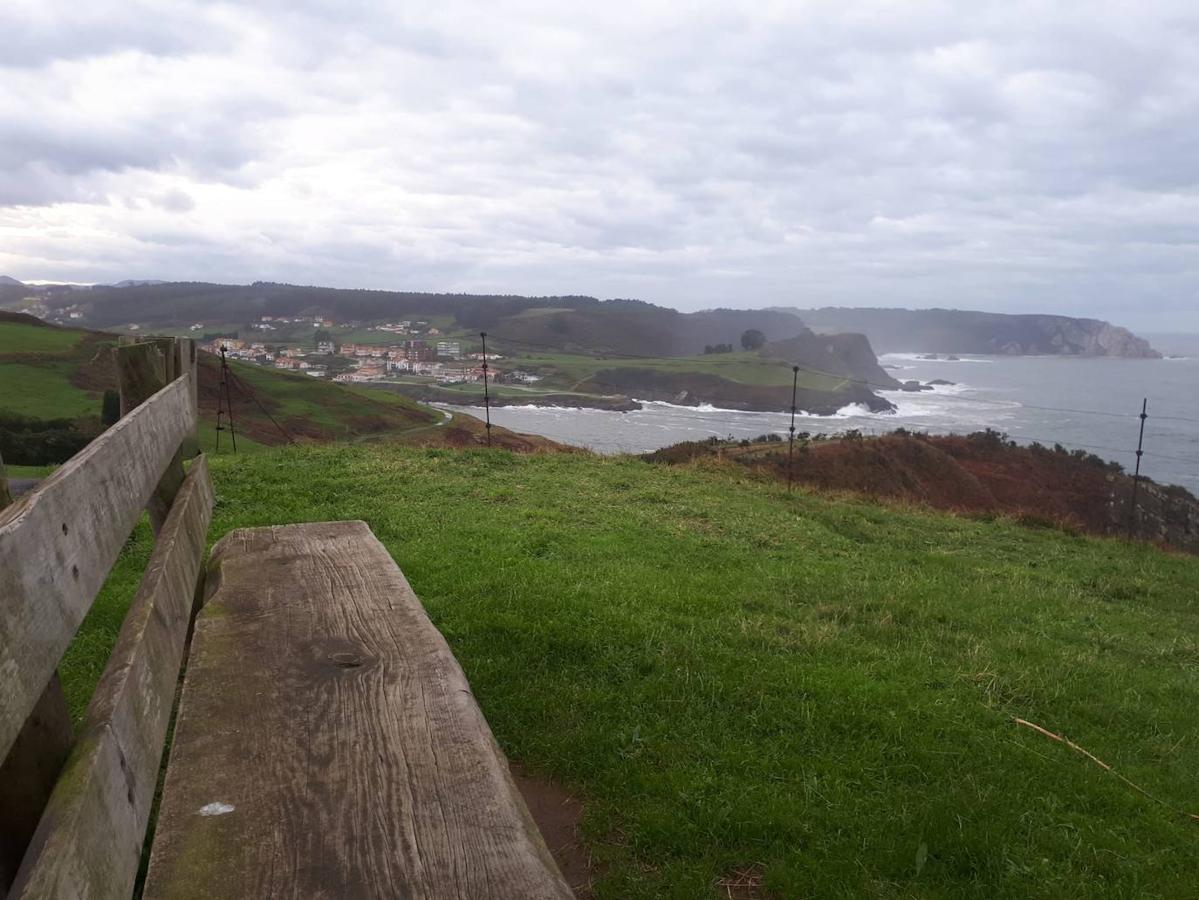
[966,331]
[848,355]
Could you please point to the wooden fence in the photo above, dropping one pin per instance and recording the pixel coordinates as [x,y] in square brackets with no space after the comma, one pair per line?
[57,545]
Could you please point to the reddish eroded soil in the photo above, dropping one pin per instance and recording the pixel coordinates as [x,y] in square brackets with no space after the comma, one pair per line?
[964,474]
[980,474]
[557,815]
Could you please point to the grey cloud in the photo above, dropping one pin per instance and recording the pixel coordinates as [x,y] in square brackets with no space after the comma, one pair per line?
[57,30]
[1011,156]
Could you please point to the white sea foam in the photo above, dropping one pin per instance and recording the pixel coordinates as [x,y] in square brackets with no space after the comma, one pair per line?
[922,358]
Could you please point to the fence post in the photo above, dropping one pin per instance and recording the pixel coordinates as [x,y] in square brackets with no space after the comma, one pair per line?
[1136,478]
[142,371]
[28,773]
[185,364]
[486,395]
[791,432]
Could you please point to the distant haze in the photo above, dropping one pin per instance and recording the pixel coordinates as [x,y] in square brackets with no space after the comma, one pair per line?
[1016,157]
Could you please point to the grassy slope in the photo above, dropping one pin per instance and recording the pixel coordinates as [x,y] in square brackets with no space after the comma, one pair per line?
[327,405]
[44,390]
[731,676]
[744,367]
[16,337]
[36,365]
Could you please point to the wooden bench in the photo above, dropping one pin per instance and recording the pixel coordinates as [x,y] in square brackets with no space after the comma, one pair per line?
[326,742]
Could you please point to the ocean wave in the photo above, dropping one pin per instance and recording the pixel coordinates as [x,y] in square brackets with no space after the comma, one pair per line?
[919,357]
[683,407]
[529,407]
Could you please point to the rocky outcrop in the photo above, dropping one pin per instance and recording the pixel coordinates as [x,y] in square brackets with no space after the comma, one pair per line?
[696,388]
[847,355]
[950,331]
[978,474]
[1166,514]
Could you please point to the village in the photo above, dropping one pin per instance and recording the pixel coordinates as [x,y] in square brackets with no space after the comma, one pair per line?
[440,361]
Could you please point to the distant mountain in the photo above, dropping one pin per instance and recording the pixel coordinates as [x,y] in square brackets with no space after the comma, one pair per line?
[618,331]
[11,282]
[966,331]
[132,282]
[622,327]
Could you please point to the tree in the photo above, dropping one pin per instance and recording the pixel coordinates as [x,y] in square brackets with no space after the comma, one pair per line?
[752,339]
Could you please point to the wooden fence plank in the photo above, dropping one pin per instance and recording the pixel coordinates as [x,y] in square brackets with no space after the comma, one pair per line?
[28,773]
[90,838]
[327,743]
[187,363]
[58,542]
[142,371]
[28,776]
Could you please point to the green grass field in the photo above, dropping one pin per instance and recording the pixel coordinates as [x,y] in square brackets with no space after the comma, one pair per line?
[16,337]
[821,692]
[28,471]
[43,390]
[565,369]
[36,365]
[336,411]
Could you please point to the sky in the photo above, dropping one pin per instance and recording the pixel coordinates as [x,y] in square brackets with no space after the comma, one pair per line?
[1015,156]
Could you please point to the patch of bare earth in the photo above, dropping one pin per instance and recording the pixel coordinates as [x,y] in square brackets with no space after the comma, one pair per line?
[743,884]
[557,815]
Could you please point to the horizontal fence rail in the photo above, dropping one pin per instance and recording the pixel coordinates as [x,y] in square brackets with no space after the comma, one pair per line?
[90,837]
[58,543]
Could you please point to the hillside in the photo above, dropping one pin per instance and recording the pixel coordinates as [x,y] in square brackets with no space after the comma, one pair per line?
[750,380]
[545,335]
[58,376]
[966,331]
[978,474]
[756,694]
[629,327]
[51,372]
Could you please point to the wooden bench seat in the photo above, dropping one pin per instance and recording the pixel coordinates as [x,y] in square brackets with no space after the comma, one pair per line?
[327,742]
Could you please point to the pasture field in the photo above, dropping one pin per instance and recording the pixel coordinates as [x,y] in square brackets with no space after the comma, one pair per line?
[811,695]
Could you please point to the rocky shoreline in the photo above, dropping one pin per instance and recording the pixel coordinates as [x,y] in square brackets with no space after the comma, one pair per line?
[726,395]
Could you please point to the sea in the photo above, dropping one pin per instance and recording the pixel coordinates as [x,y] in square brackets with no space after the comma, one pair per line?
[1092,404]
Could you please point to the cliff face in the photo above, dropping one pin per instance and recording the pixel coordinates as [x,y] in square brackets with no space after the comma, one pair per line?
[695,388]
[849,355]
[964,331]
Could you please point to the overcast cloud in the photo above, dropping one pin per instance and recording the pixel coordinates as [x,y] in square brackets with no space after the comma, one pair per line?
[1013,156]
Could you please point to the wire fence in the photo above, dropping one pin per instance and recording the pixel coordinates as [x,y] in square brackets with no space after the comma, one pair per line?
[713,395]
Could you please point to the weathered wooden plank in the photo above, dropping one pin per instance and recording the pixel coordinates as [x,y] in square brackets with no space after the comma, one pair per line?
[28,776]
[186,362]
[28,773]
[90,838]
[142,371]
[58,542]
[327,743]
